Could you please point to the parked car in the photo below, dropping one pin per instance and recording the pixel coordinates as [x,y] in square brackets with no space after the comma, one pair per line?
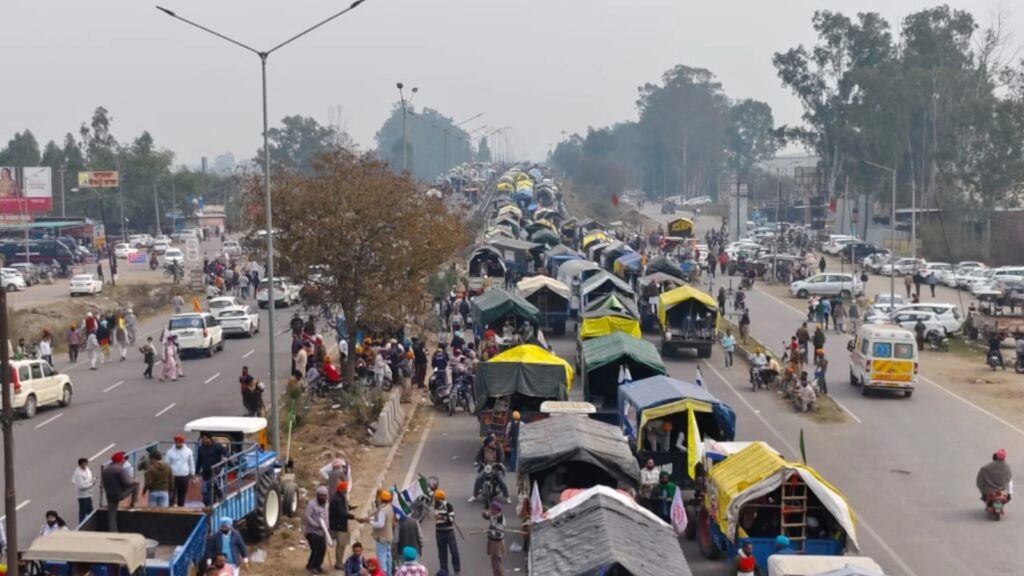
[827,284]
[30,273]
[838,243]
[901,266]
[860,250]
[881,303]
[162,238]
[12,279]
[908,319]
[140,240]
[948,315]
[86,284]
[875,262]
[174,256]
[232,248]
[196,332]
[241,320]
[222,302]
[943,272]
[123,250]
[35,383]
[161,247]
[285,293]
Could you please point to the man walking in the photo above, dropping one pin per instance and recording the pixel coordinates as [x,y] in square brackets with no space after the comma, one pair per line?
[729,346]
[338,517]
[149,357]
[419,362]
[84,482]
[802,338]
[183,468]
[314,523]
[208,456]
[383,524]
[444,531]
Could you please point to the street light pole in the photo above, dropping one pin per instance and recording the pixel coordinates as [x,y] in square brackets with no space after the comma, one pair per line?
[275,423]
[401,96]
[63,212]
[892,236]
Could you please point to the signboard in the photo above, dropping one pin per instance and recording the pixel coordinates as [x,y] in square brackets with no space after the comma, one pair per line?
[25,190]
[103,179]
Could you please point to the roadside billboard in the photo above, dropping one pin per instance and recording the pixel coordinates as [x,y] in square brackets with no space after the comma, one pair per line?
[25,190]
[100,179]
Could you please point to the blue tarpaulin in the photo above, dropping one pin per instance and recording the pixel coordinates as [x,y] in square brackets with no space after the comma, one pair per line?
[641,395]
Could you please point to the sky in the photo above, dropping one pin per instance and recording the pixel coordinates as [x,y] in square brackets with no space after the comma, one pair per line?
[540,67]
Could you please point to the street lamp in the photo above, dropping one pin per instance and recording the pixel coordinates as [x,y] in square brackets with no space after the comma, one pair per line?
[275,427]
[892,235]
[401,96]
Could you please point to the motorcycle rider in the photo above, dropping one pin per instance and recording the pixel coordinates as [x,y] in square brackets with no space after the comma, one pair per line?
[757,364]
[439,362]
[995,476]
[994,342]
[491,452]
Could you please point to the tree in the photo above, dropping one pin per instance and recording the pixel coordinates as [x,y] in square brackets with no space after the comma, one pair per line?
[98,143]
[21,150]
[483,151]
[438,143]
[298,141]
[385,235]
[749,136]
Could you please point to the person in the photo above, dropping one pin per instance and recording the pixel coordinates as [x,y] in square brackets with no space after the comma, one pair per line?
[118,484]
[512,437]
[170,366]
[745,325]
[178,302]
[130,323]
[148,351]
[177,356]
[747,566]
[805,397]
[53,523]
[409,566]
[496,537]
[649,476]
[408,533]
[820,369]
[853,314]
[183,468]
[335,471]
[818,340]
[908,282]
[103,335]
[46,347]
[419,362]
[994,347]
[356,565]
[99,271]
[721,298]
[919,331]
[729,346]
[243,286]
[208,456]
[826,311]
[383,529]
[821,265]
[444,531]
[159,480]
[802,338]
[92,346]
[83,481]
[932,281]
[663,494]
[338,516]
[74,342]
[120,336]
[227,542]
[1018,348]
[301,360]
[995,476]
[491,452]
[314,524]
[373,567]
[252,393]
[782,546]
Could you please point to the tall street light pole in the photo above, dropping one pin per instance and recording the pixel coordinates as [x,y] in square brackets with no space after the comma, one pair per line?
[275,425]
[401,96]
[892,235]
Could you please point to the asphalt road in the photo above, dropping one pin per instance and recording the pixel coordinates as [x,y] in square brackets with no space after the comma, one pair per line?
[114,408]
[907,466]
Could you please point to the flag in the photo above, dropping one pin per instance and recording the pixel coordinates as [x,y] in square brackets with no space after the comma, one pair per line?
[694,445]
[536,507]
[196,305]
[413,491]
[803,449]
[398,505]
[700,377]
[137,258]
[677,512]
[615,200]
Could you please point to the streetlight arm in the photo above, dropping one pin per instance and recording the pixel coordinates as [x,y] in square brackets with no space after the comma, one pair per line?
[351,7]
[468,119]
[879,166]
[208,30]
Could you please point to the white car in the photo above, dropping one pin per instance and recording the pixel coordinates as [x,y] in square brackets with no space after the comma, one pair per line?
[943,272]
[196,331]
[86,284]
[35,383]
[881,303]
[161,247]
[948,315]
[123,250]
[827,284]
[232,248]
[140,240]
[285,293]
[174,256]
[241,320]
[908,319]
[221,302]
[162,238]
[901,267]
[12,279]
[836,244]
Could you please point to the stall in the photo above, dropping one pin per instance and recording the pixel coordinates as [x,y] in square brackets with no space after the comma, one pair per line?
[551,298]
[609,361]
[521,378]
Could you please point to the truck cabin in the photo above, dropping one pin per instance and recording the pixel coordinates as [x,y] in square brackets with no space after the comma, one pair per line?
[82,553]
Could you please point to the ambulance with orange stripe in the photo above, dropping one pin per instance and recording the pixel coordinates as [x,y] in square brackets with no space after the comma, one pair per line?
[884,357]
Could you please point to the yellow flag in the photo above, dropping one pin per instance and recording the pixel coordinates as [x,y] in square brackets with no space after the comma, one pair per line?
[196,305]
[693,443]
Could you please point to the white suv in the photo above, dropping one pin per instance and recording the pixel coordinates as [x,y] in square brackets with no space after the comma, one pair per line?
[35,383]
[946,314]
[285,293]
[827,284]
[196,331]
[12,279]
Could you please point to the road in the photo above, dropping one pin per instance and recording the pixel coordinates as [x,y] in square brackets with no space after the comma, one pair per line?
[906,465]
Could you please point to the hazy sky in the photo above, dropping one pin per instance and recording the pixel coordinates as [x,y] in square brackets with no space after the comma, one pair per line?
[539,66]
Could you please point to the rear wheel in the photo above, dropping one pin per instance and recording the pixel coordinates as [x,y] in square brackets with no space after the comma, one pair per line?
[31,406]
[801,293]
[65,397]
[290,499]
[853,378]
[209,350]
[908,393]
[264,519]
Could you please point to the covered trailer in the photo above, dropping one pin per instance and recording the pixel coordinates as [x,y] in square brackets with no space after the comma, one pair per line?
[484,261]
[551,298]
[521,378]
[608,361]
[496,306]
[689,319]
[601,284]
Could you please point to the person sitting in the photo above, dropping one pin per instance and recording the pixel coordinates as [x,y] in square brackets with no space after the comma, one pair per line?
[782,546]
[330,371]
[490,453]
[806,398]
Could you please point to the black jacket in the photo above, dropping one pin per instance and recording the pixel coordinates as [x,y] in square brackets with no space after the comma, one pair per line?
[338,514]
[409,534]
[207,457]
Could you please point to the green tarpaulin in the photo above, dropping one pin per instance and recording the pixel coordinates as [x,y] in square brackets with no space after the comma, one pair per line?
[496,304]
[604,283]
[611,303]
[616,347]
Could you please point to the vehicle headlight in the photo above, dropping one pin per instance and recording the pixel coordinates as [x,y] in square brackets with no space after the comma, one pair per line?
[488,469]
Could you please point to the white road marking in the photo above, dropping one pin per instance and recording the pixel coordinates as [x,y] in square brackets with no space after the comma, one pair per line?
[111,387]
[17,508]
[210,379]
[48,420]
[101,452]
[164,411]
[247,354]
[285,331]
[419,452]
[785,443]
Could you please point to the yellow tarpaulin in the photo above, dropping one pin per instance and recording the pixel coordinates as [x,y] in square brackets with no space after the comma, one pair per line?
[505,187]
[594,237]
[531,354]
[547,224]
[666,410]
[604,325]
[669,299]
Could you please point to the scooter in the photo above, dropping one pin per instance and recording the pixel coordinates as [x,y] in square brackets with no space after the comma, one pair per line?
[995,360]
[439,391]
[995,504]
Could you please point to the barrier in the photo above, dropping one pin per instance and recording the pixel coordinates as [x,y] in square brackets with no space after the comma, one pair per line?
[390,422]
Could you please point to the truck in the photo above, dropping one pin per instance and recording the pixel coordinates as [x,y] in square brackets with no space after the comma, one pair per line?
[689,320]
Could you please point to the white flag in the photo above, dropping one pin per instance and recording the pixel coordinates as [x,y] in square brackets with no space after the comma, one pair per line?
[700,377]
[622,373]
[536,507]
[677,512]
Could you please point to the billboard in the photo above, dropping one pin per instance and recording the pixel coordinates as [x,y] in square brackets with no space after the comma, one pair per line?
[25,190]
[103,179]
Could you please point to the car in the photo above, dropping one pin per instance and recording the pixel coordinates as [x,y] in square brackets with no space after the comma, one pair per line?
[140,240]
[837,243]
[12,279]
[30,273]
[908,319]
[860,251]
[697,201]
[881,302]
[970,265]
[162,238]
[86,284]
[174,256]
[875,261]
[200,332]
[948,315]
[35,383]
[901,266]
[161,247]
[221,302]
[242,320]
[827,284]
[123,250]
[285,293]
[970,277]
[232,248]
[997,285]
[944,272]
[186,235]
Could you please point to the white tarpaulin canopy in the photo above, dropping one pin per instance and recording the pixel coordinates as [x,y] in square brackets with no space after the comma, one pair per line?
[527,286]
[797,565]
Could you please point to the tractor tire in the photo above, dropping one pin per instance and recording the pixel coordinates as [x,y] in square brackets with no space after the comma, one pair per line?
[290,498]
[263,520]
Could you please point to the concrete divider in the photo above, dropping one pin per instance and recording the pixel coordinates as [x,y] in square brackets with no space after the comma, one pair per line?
[390,422]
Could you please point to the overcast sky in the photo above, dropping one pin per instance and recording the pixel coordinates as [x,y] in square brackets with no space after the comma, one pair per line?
[539,66]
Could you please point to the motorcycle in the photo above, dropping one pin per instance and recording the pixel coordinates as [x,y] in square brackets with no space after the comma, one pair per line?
[995,360]
[936,340]
[462,395]
[439,390]
[153,264]
[490,489]
[760,378]
[995,504]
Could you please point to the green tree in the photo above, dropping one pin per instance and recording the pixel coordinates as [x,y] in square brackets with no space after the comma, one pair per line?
[483,151]
[98,143]
[298,141]
[749,136]
[21,150]
[438,143]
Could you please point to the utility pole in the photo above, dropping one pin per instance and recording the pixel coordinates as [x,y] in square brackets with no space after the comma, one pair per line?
[156,209]
[63,212]
[7,419]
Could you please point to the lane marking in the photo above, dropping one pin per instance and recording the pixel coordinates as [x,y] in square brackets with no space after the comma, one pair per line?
[47,421]
[164,411]
[109,388]
[247,354]
[210,379]
[16,508]
[419,452]
[862,521]
[101,452]
[282,332]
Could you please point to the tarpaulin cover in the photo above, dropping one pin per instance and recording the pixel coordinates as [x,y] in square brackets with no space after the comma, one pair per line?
[605,323]
[613,252]
[513,244]
[660,278]
[495,304]
[590,224]
[672,298]
[794,565]
[527,286]
[618,347]
[599,534]
[665,265]
[545,236]
[592,238]
[758,470]
[649,394]
[568,272]
[512,210]
[523,195]
[525,369]
[484,258]
[561,250]
[627,263]
[611,303]
[563,438]
[605,281]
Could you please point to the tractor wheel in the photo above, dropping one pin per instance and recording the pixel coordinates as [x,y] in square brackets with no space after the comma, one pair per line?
[264,518]
[290,498]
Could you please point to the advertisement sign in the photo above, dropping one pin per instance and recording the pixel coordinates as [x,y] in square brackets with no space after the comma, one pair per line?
[103,179]
[25,190]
